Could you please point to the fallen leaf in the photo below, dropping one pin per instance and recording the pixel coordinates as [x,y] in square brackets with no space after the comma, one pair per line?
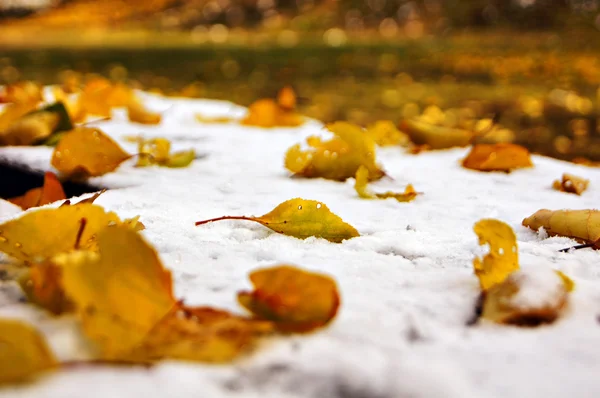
[44,233]
[51,191]
[42,284]
[527,298]
[295,300]
[270,113]
[581,225]
[157,151]
[23,92]
[136,112]
[497,157]
[434,136]
[213,120]
[23,352]
[301,218]
[10,114]
[503,258]
[337,159]
[571,183]
[94,97]
[76,111]
[385,133]
[360,186]
[87,152]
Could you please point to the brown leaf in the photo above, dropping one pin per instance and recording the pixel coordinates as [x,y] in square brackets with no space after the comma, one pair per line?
[571,183]
[295,300]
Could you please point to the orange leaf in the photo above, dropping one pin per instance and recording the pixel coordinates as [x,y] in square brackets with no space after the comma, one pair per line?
[138,114]
[51,191]
[497,157]
[571,183]
[23,92]
[87,152]
[43,286]
[287,98]
[296,300]
[269,113]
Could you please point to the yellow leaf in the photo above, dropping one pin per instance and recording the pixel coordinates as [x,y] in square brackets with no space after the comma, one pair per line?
[87,152]
[497,157]
[571,183]
[295,300]
[581,225]
[338,158]
[503,258]
[213,120]
[301,218]
[360,186]
[121,292]
[385,133]
[22,92]
[51,191]
[76,111]
[23,352]
[181,159]
[435,137]
[44,233]
[157,152]
[136,112]
[527,298]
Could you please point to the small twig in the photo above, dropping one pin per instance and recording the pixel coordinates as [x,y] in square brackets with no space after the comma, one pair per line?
[577,247]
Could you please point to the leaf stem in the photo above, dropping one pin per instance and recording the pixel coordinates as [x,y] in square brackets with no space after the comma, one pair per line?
[577,247]
[82,225]
[224,218]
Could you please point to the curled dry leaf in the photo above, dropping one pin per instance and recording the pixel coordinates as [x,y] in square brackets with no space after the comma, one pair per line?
[571,183]
[527,298]
[301,218]
[36,126]
[581,225]
[87,152]
[42,234]
[51,191]
[503,258]
[435,137]
[385,133]
[295,300]
[124,298]
[337,159]
[157,151]
[23,352]
[360,186]
[269,113]
[497,157]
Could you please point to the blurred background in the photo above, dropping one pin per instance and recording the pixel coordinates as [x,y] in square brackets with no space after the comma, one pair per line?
[528,71]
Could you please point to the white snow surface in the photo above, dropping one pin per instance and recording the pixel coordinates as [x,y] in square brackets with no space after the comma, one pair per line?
[407,284]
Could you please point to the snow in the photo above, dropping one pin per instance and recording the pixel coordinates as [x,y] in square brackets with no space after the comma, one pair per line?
[407,284]
[538,288]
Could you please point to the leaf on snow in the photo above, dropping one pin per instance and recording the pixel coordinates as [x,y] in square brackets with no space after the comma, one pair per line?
[270,113]
[51,191]
[295,300]
[301,218]
[337,159]
[581,225]
[527,298]
[136,112]
[360,186]
[434,136]
[503,258]
[87,152]
[23,352]
[44,233]
[497,157]
[571,183]
[42,284]
[157,151]
[385,133]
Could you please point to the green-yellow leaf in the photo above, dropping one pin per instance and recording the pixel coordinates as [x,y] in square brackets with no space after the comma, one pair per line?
[301,218]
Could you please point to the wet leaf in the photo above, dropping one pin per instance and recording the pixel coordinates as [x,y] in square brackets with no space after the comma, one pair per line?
[497,157]
[435,137]
[87,152]
[360,186]
[527,298]
[42,284]
[385,133]
[136,112]
[503,258]
[301,218]
[581,225]
[337,159]
[157,151]
[51,191]
[270,113]
[44,233]
[571,183]
[295,300]
[23,352]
